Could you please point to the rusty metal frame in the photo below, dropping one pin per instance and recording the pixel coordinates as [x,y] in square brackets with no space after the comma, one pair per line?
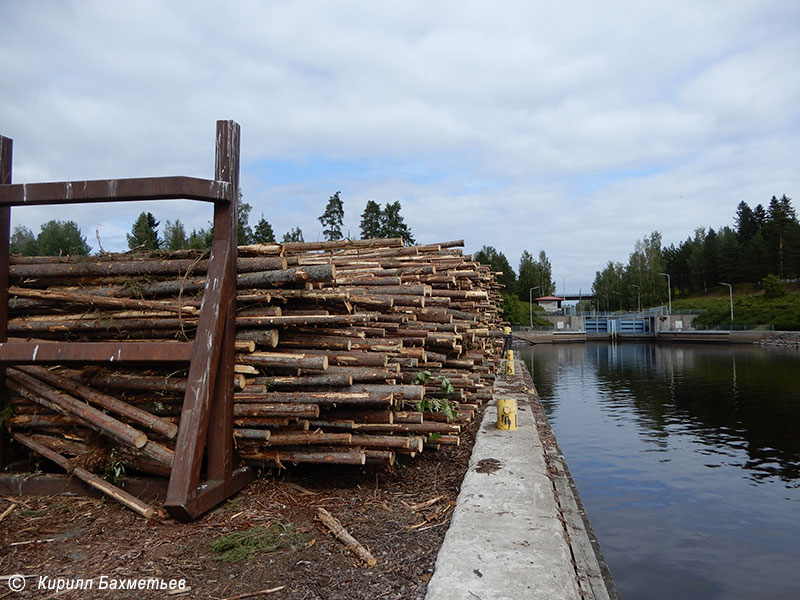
[206,426]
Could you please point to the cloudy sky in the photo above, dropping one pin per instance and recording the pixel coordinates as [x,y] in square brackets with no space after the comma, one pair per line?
[574,127]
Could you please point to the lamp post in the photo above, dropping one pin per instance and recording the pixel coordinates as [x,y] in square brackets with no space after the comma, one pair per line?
[530,301]
[564,284]
[730,291]
[669,291]
[639,296]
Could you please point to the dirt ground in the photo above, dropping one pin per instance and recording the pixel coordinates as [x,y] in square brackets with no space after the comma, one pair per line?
[400,515]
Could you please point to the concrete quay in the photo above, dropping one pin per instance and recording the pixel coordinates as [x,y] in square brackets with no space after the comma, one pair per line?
[519,530]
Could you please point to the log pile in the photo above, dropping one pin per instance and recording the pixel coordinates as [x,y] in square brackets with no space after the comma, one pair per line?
[347,352]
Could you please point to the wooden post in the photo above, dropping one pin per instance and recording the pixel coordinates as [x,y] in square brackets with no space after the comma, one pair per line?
[6,145]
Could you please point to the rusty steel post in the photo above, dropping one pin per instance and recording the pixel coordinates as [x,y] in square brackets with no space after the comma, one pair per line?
[207,415]
[6,146]
[226,229]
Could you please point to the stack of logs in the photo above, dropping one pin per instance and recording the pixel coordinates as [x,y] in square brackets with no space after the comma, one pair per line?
[347,352]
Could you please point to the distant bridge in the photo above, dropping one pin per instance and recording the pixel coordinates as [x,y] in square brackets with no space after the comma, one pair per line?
[578,296]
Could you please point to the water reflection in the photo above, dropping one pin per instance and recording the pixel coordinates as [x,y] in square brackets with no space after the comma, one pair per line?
[728,399]
[688,461]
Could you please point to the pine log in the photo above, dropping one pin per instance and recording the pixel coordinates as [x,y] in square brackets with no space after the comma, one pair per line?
[93,480]
[408,393]
[319,379]
[109,403]
[343,457]
[285,360]
[262,337]
[94,267]
[395,442]
[353,358]
[404,416]
[315,342]
[344,536]
[252,434]
[322,398]
[291,275]
[53,399]
[262,409]
[305,438]
[295,321]
[101,301]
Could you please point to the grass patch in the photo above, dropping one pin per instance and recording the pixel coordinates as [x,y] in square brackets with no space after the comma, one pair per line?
[246,543]
[783,312]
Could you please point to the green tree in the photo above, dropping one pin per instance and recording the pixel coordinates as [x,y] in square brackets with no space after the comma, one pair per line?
[371,221]
[544,275]
[498,262]
[60,238]
[245,233]
[527,276]
[23,242]
[536,274]
[607,286]
[773,288]
[746,225]
[393,224]
[144,235]
[174,236]
[295,235]
[200,239]
[332,219]
[729,256]
[263,233]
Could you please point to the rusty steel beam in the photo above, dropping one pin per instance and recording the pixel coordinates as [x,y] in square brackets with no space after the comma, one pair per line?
[47,484]
[63,353]
[116,190]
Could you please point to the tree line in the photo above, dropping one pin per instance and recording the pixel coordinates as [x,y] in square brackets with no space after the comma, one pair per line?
[763,242]
[535,279]
[65,237]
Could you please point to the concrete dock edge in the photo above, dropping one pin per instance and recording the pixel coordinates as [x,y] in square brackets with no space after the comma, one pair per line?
[519,529]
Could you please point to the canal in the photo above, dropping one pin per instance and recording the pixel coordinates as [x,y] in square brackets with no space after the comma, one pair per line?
[687,459]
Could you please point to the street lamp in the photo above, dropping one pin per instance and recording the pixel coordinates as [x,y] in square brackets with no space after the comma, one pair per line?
[730,290]
[530,300]
[669,291]
[639,295]
[564,284]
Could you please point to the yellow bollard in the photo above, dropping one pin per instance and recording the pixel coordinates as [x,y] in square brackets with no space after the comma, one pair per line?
[507,414]
[509,362]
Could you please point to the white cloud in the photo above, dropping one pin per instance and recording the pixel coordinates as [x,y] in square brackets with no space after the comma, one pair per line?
[574,127]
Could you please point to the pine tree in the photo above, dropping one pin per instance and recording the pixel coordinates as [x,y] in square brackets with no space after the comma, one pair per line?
[144,235]
[174,236]
[60,238]
[488,255]
[746,225]
[393,224]
[263,233]
[200,239]
[245,233]
[332,219]
[295,235]
[371,221]
[23,242]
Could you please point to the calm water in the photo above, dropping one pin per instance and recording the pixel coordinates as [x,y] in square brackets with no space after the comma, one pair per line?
[687,459]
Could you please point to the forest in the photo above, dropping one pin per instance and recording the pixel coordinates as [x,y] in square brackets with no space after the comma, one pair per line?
[65,237]
[762,242]
[759,257]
